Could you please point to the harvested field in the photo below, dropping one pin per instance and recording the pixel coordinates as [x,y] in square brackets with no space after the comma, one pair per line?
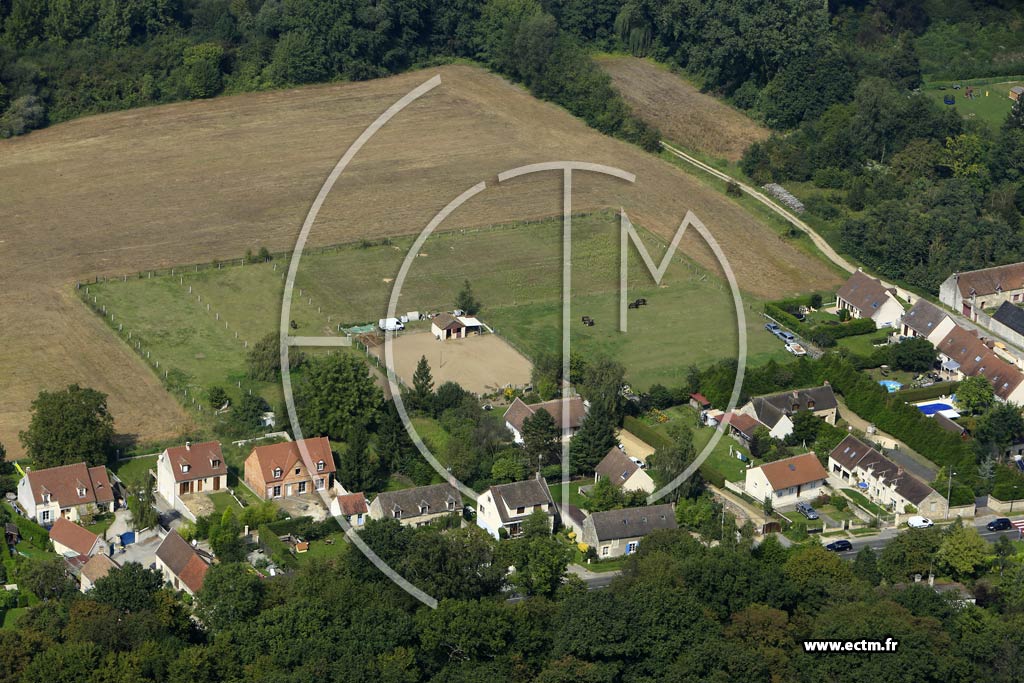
[681,112]
[195,181]
[480,363]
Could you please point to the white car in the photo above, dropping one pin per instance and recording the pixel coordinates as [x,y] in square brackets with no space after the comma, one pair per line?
[638,462]
[796,349]
[919,522]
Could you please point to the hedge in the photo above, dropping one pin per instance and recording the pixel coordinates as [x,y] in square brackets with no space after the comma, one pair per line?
[1006,477]
[274,547]
[924,393]
[646,433]
[36,535]
[820,332]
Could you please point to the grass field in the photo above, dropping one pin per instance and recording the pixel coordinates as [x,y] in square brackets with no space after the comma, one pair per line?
[515,271]
[128,191]
[991,109]
[680,110]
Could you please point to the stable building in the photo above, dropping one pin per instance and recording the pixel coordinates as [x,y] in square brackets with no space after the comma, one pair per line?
[447,326]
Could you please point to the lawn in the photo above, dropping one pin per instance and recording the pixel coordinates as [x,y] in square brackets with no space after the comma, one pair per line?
[319,550]
[991,109]
[515,271]
[575,497]
[720,459]
[861,500]
[12,615]
[222,500]
[861,344]
[100,528]
[127,470]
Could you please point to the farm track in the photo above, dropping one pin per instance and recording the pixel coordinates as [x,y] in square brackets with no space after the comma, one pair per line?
[195,181]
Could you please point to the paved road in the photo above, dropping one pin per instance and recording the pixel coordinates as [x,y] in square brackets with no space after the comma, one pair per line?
[877,543]
[825,247]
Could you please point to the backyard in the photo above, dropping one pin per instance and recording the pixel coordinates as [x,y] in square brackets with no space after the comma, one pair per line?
[990,104]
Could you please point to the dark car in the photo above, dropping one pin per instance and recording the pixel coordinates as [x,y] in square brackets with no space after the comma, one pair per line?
[1001,524]
[806,510]
[840,546]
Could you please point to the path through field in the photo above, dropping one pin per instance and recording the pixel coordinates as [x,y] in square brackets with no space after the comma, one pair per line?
[195,181]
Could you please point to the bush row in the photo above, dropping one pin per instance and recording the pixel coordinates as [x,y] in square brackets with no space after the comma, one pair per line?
[924,393]
[821,334]
[275,548]
[645,432]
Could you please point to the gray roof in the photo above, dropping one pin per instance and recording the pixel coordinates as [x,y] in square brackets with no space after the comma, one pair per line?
[616,467]
[924,317]
[520,494]
[770,409]
[1011,316]
[852,452]
[632,522]
[436,497]
[864,292]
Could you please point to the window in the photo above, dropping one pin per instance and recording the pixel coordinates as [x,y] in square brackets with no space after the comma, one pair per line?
[185,467]
[320,484]
[81,492]
[520,510]
[631,547]
[451,504]
[320,466]
[302,487]
[277,473]
[276,492]
[297,470]
[215,464]
[424,508]
[397,513]
[604,551]
[46,515]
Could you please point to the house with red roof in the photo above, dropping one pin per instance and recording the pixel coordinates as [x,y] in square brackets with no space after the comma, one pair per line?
[787,481]
[188,469]
[70,491]
[181,564]
[71,540]
[352,506]
[292,468]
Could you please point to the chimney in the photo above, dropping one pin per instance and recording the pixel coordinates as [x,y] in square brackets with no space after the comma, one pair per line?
[826,383]
[188,445]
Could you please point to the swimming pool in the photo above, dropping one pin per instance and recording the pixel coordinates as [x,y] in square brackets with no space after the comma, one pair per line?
[891,385]
[940,407]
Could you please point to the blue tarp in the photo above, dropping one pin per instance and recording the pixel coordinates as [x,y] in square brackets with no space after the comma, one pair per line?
[127,538]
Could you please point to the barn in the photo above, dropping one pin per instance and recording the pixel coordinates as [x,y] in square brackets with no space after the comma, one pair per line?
[447,326]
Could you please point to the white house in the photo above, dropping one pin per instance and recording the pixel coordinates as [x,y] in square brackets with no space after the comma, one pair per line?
[518,412]
[854,464]
[352,506]
[507,506]
[623,473]
[787,481]
[866,297]
[776,411]
[615,533]
[192,468]
[927,320]
[70,491]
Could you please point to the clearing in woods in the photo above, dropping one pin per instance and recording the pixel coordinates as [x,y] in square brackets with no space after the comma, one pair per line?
[515,271]
[195,181]
[681,112]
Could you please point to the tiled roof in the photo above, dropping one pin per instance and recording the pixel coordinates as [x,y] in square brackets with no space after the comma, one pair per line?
[991,280]
[632,522]
[352,504]
[975,358]
[770,409]
[286,455]
[795,471]
[436,497]
[616,467]
[70,535]
[183,560]
[63,484]
[522,493]
[924,317]
[98,566]
[864,292]
[196,461]
[447,321]
[852,453]
[519,411]
[742,422]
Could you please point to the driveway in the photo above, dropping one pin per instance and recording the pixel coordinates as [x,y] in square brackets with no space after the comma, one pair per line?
[634,446]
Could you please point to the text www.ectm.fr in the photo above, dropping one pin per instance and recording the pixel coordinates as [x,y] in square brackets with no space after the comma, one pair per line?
[887,645]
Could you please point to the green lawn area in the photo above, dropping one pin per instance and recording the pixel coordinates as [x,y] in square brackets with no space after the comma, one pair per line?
[720,460]
[861,344]
[515,271]
[862,501]
[575,497]
[839,515]
[12,615]
[100,528]
[319,550]
[991,109]
[130,469]
[222,500]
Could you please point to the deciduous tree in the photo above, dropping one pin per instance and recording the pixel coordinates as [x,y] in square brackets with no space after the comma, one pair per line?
[69,426]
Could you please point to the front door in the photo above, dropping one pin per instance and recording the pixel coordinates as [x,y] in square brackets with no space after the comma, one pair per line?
[216,483]
[200,484]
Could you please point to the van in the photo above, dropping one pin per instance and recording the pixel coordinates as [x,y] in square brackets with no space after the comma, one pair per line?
[390,324]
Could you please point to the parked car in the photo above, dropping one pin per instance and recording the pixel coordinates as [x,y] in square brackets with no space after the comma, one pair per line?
[840,546]
[638,462]
[806,510]
[772,327]
[796,349]
[919,522]
[787,337]
[1001,524]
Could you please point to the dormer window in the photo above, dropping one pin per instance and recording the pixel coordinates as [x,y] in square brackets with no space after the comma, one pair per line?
[185,467]
[215,464]
[810,405]
[796,407]
[277,473]
[46,497]
[320,466]
[451,503]
[396,512]
[81,492]
[423,508]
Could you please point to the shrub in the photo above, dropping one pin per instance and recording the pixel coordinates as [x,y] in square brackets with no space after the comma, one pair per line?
[838,502]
